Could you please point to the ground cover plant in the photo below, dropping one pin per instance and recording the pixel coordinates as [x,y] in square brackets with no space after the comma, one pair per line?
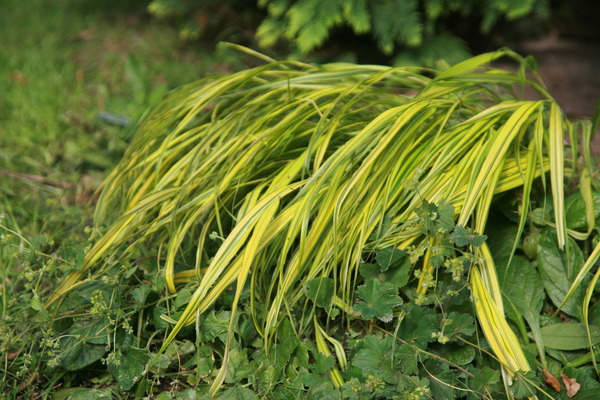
[340,231]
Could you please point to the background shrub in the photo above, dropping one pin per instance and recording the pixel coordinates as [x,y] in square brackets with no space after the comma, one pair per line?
[391,31]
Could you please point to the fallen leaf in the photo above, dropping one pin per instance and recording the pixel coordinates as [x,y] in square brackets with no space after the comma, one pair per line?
[571,385]
[551,380]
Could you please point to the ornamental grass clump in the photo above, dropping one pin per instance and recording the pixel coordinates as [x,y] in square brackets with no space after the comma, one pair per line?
[276,177]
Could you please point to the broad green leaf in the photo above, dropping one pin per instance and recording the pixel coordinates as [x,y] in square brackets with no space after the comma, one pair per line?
[239,367]
[524,385]
[459,354]
[129,367]
[485,379]
[320,291]
[323,391]
[77,354]
[377,300]
[323,363]
[569,336]
[501,236]
[436,217]
[389,257]
[460,324]
[575,210]
[558,270]
[238,393]
[418,325]
[95,331]
[398,275]
[214,326]
[377,357]
[522,290]
[83,394]
[443,386]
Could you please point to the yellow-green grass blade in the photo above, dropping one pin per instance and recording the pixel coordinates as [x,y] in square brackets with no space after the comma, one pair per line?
[557,172]
[498,333]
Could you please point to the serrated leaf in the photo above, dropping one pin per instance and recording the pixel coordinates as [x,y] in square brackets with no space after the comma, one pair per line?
[442,386]
[397,276]
[418,325]
[462,324]
[377,356]
[462,236]
[436,217]
[408,358]
[140,294]
[323,363]
[484,380]
[320,291]
[238,367]
[323,391]
[524,385]
[377,300]
[569,336]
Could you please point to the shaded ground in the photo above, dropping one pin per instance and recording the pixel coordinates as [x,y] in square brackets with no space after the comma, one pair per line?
[571,70]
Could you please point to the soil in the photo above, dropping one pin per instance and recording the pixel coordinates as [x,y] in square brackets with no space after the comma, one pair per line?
[571,70]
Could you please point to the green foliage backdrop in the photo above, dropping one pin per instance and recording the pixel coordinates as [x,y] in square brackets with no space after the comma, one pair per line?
[406,31]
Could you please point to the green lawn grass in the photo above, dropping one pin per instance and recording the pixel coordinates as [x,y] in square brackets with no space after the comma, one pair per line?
[62,64]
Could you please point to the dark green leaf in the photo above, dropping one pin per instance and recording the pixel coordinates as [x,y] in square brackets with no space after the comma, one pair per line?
[77,354]
[485,380]
[183,298]
[214,325]
[522,291]
[238,393]
[323,391]
[418,325]
[459,354]
[140,294]
[128,370]
[397,276]
[389,257]
[323,363]
[524,385]
[575,210]
[435,218]
[377,357]
[442,386]
[407,358]
[95,331]
[377,300]
[501,236]
[83,394]
[320,291]
[587,378]
[569,336]
[462,236]
[462,324]
[558,269]
[239,367]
